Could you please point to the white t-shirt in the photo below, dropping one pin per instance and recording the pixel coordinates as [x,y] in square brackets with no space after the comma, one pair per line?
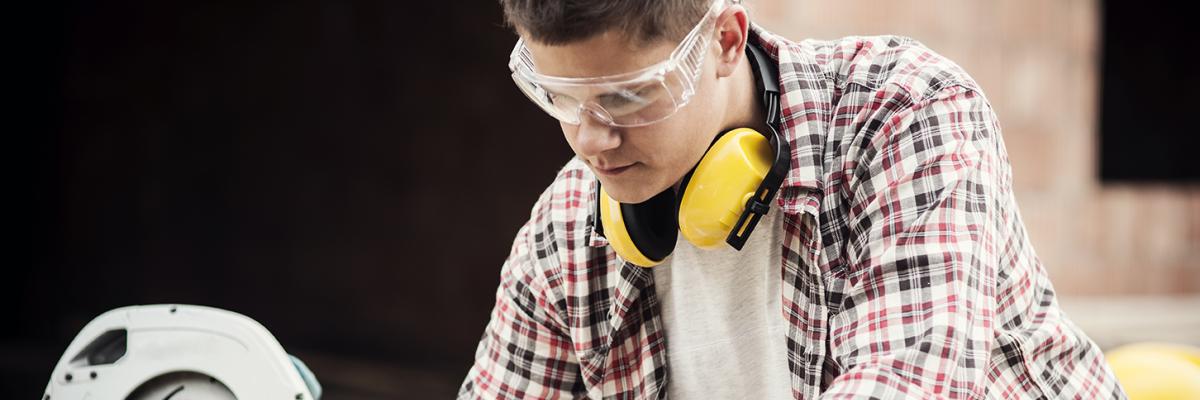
[722,311]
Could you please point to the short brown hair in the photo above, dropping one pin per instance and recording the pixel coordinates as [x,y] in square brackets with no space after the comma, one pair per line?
[564,21]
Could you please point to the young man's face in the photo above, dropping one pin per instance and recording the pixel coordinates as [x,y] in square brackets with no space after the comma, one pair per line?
[634,164]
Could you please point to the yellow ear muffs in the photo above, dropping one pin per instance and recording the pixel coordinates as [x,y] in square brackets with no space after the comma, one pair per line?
[722,198]
[716,192]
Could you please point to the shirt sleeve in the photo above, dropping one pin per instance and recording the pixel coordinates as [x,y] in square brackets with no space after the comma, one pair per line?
[916,320]
[525,351]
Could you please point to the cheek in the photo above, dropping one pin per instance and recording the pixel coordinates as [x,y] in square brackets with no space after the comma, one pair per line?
[569,133]
[672,145]
[696,126]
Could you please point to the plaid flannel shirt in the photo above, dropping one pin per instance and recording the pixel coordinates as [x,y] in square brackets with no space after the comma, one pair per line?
[906,270]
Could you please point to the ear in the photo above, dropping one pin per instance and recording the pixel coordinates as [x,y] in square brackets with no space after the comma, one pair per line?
[732,28]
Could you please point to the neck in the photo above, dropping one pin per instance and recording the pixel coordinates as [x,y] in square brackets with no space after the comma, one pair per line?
[747,109]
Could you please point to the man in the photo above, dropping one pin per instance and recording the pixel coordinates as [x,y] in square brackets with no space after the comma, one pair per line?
[892,263]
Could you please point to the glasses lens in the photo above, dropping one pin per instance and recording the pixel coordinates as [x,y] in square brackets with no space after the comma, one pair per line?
[624,105]
[647,104]
[558,106]
[643,99]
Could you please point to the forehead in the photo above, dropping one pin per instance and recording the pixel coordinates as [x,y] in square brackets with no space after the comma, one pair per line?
[607,53]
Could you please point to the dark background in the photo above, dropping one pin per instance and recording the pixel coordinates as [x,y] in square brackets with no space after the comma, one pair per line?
[350,174]
[1150,93]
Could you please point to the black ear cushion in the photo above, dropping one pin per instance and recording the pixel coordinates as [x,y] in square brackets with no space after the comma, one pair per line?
[653,225]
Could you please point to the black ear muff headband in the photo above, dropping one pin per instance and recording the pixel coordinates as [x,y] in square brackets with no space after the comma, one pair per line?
[766,74]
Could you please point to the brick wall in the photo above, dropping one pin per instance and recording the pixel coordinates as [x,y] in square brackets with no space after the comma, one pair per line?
[1038,63]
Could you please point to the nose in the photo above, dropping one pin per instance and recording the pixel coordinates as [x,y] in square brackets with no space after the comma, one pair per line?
[593,137]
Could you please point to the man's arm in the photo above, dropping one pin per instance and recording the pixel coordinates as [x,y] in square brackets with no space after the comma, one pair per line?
[525,351]
[921,252]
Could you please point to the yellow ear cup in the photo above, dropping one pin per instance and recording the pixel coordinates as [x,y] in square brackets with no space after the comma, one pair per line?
[725,178]
[617,234]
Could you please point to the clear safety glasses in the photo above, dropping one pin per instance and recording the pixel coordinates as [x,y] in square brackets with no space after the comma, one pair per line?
[629,99]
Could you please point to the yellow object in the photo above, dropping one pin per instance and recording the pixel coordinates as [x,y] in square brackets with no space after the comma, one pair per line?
[724,180]
[1157,371]
[713,198]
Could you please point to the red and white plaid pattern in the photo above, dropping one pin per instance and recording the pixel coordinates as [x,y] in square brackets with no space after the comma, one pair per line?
[906,270]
